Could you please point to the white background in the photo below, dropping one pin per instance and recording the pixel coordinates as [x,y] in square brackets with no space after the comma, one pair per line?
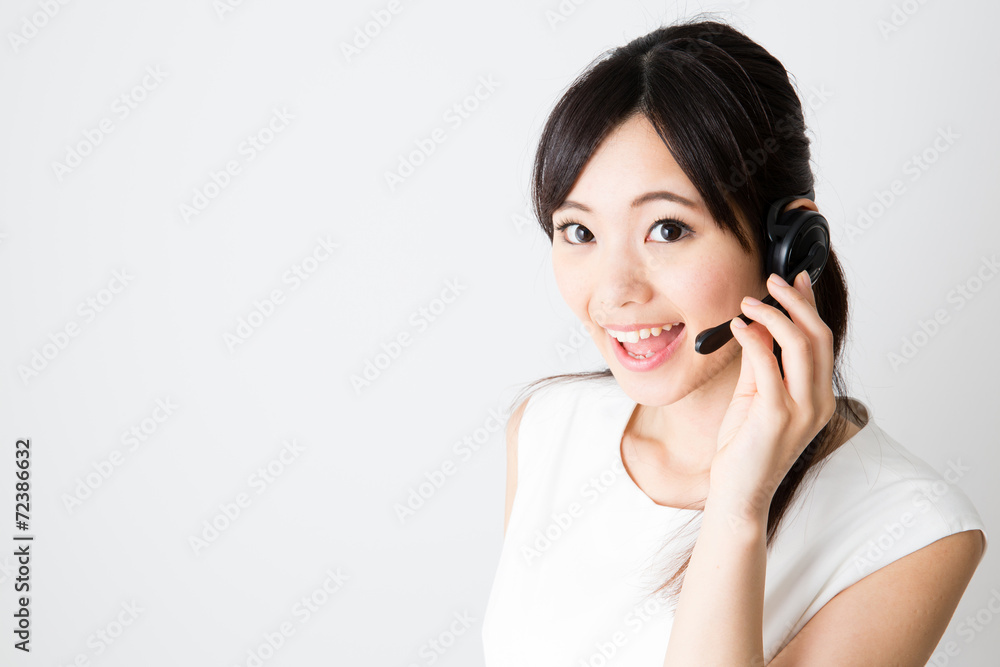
[874,98]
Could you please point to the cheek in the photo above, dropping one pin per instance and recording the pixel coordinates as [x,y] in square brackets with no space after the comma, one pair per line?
[707,290]
[571,281]
[576,286]
[718,294]
[701,288]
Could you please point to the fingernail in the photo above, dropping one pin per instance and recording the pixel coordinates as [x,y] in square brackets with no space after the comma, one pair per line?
[750,300]
[777,280]
[739,323]
[807,279]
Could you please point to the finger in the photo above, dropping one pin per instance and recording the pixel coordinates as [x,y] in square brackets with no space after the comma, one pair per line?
[747,384]
[796,346]
[803,283]
[808,319]
[758,346]
[824,337]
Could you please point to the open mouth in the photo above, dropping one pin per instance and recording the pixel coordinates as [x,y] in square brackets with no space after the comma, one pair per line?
[644,348]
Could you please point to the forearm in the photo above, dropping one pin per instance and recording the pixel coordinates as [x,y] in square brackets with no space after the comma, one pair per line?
[719,615]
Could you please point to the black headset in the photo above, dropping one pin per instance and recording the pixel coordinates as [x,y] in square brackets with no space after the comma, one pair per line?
[797,240]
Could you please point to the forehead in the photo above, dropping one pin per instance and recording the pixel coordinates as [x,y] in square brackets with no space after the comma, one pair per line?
[630,162]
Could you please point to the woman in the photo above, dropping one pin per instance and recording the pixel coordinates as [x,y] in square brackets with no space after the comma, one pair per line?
[801,532]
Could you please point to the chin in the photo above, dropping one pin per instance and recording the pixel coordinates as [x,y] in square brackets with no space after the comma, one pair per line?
[647,391]
[684,373]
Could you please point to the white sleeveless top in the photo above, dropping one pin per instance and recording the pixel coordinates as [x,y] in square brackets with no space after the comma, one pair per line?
[583,541]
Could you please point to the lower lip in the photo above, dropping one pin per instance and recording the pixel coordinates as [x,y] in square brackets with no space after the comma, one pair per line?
[642,365]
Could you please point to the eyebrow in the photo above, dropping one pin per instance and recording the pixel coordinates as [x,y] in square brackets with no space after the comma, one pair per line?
[638,201]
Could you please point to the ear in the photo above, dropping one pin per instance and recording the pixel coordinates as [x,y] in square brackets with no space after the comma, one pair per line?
[802,203]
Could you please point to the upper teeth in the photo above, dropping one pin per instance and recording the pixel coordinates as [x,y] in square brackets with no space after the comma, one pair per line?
[634,336]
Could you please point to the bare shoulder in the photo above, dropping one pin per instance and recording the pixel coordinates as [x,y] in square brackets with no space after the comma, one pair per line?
[514,421]
[513,424]
[895,615]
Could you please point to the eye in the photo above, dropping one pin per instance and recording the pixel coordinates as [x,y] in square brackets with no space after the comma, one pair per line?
[671,230]
[681,229]
[579,234]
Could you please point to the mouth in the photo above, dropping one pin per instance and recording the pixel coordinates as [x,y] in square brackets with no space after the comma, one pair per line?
[646,342]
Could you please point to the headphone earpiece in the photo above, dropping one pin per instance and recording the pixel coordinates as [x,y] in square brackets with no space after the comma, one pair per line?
[797,240]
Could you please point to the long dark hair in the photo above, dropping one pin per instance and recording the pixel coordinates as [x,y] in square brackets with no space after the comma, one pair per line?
[729,115]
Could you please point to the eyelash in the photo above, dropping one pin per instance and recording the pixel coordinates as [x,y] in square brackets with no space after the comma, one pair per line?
[679,223]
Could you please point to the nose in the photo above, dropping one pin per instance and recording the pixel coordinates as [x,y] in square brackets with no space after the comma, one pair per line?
[621,277]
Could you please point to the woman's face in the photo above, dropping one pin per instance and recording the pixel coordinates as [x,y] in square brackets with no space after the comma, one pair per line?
[620,266]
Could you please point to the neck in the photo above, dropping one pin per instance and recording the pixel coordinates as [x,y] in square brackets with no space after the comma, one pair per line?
[684,434]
